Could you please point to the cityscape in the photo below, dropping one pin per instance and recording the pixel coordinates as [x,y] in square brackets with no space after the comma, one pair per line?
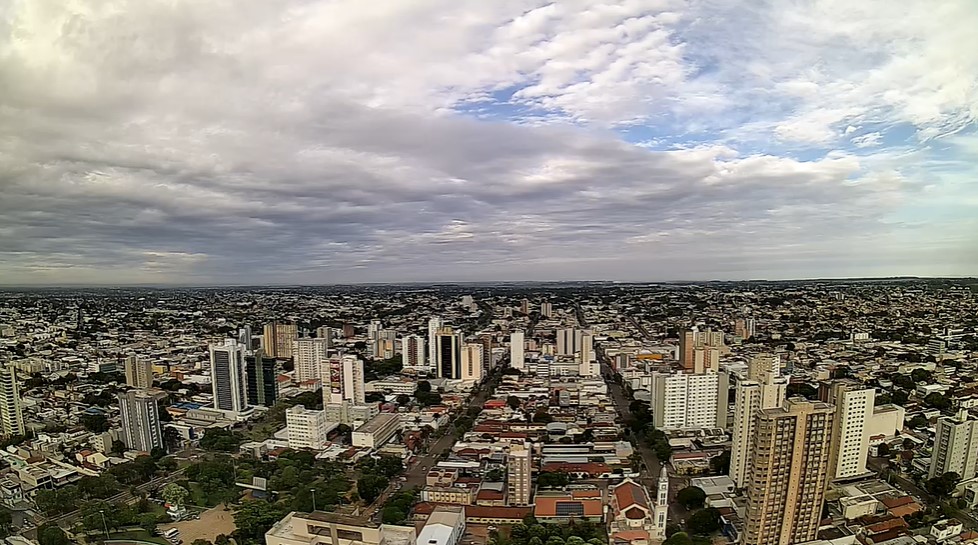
[817,412]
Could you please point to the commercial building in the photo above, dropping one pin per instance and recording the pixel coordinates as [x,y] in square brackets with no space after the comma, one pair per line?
[228,376]
[140,421]
[681,400]
[445,526]
[309,356]
[262,374]
[349,413]
[854,405]
[434,324]
[955,446]
[277,339]
[471,362]
[788,473]
[449,360]
[11,412]
[139,373]
[343,380]
[518,477]
[763,388]
[307,428]
[378,431]
[413,352]
[516,357]
[322,528]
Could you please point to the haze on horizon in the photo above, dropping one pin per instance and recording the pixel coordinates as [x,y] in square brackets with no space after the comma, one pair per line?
[315,142]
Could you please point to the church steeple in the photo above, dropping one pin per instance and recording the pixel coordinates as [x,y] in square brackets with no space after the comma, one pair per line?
[661,512]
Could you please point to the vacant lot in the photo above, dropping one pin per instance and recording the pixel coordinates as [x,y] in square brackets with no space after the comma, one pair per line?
[211,524]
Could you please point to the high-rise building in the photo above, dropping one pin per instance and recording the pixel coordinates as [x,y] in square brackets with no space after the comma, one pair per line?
[309,355]
[306,428]
[763,388]
[325,332]
[699,351]
[245,337]
[516,358]
[343,380]
[449,354]
[486,341]
[228,376]
[568,341]
[140,421]
[854,404]
[384,344]
[518,478]
[372,329]
[434,324]
[471,362]
[525,306]
[682,400]
[413,352]
[789,473]
[262,374]
[955,446]
[546,309]
[139,373]
[11,412]
[744,328]
[586,347]
[277,339]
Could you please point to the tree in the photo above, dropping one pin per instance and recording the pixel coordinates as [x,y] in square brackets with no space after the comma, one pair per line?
[513,402]
[679,538]
[883,450]
[918,421]
[549,479]
[903,381]
[909,444]
[899,397]
[423,386]
[370,486]
[393,515]
[374,397]
[921,375]
[403,399]
[6,522]
[51,534]
[220,439]
[691,497]
[704,522]
[721,464]
[937,401]
[201,542]
[175,494]
[943,485]
[254,518]
[95,423]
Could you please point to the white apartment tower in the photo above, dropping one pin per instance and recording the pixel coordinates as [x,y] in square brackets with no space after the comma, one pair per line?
[518,478]
[306,428]
[472,362]
[139,373]
[955,446]
[682,401]
[228,376]
[11,413]
[763,388]
[343,380]
[434,324]
[546,309]
[516,358]
[140,421]
[309,356]
[854,404]
[413,352]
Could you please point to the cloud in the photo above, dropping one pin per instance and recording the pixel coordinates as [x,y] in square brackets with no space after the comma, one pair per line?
[241,142]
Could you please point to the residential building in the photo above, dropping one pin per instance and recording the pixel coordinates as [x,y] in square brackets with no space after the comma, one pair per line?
[525,306]
[763,388]
[346,412]
[789,472]
[854,405]
[307,428]
[139,373]
[449,360]
[228,376]
[343,380]
[141,428]
[699,351]
[434,324]
[955,446]
[378,431]
[11,412]
[277,339]
[445,526]
[486,341]
[518,476]
[516,357]
[309,355]
[744,328]
[568,341]
[471,362]
[373,328]
[326,333]
[413,352]
[262,374]
[681,400]
[546,310]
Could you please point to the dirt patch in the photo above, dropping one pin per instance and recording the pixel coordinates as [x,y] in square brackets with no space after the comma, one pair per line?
[212,523]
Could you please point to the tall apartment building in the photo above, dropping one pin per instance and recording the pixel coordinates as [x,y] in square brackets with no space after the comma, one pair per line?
[384,344]
[763,388]
[699,351]
[449,357]
[546,310]
[11,412]
[434,324]
[228,376]
[568,341]
[306,428]
[343,380]
[516,356]
[518,478]
[854,404]
[139,373]
[525,306]
[277,339]
[309,355]
[955,446]
[245,337]
[373,328]
[262,379]
[471,362]
[325,332]
[413,352]
[744,328]
[789,473]
[682,400]
[141,428]
[486,341]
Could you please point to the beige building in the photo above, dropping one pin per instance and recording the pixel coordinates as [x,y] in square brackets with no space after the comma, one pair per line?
[378,431]
[789,473]
[11,412]
[277,339]
[955,446]
[850,443]
[763,388]
[699,351]
[139,373]
[471,362]
[321,528]
[309,356]
[518,478]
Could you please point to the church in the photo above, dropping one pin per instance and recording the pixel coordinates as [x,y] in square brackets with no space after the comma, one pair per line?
[636,520]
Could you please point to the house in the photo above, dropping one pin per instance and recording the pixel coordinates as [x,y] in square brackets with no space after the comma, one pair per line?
[564,507]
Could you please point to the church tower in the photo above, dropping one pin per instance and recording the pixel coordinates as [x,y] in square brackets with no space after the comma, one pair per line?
[662,504]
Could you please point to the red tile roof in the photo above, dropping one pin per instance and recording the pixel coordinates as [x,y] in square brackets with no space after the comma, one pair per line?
[629,493]
[546,506]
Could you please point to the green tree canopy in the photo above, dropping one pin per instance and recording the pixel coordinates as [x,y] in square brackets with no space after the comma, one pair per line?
[691,497]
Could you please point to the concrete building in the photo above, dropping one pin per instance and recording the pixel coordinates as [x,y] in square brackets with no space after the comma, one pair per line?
[413,352]
[850,443]
[350,414]
[343,380]
[699,351]
[763,388]
[309,355]
[307,428]
[789,473]
[518,476]
[445,526]
[546,310]
[277,339]
[471,362]
[322,528]
[141,428]
[378,431]
[569,341]
[744,328]
[11,412]
[434,324]
[326,333]
[139,373]
[516,357]
[262,374]
[955,446]
[681,400]
[228,376]
[449,357]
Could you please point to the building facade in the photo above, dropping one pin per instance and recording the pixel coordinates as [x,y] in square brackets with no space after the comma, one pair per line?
[141,428]
[277,339]
[516,356]
[449,354]
[955,446]
[309,355]
[681,400]
[306,428]
[854,404]
[518,476]
[262,379]
[343,380]
[228,376]
[763,388]
[11,412]
[139,373]
[413,353]
[472,362]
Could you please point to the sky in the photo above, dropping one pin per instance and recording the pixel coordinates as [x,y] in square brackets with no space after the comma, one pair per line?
[335,141]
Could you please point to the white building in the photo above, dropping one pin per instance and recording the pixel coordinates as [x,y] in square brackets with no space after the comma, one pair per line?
[378,431]
[11,412]
[955,446]
[518,477]
[307,428]
[309,356]
[228,376]
[681,400]
[373,328]
[434,324]
[471,362]
[763,388]
[139,373]
[413,352]
[516,358]
[546,310]
[140,421]
[853,409]
[445,526]
[343,380]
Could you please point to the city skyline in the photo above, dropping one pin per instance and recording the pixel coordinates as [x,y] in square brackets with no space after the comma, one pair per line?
[340,142]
